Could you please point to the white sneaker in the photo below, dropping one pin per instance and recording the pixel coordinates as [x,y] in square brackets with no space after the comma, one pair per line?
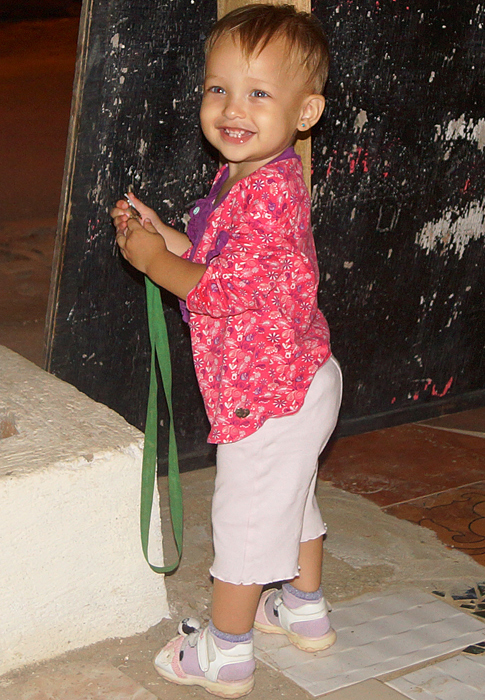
[211,659]
[287,617]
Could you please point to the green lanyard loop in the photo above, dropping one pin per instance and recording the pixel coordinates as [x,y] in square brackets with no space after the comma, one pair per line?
[160,353]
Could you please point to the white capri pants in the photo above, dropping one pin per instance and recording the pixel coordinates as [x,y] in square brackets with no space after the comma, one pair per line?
[264,501]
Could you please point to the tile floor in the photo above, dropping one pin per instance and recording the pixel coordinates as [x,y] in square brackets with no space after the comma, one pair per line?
[431,473]
[377,635]
[459,678]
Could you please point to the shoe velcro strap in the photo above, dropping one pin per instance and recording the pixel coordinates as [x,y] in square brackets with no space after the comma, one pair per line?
[205,650]
[211,658]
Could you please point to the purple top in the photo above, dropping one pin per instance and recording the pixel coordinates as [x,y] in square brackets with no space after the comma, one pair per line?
[200,213]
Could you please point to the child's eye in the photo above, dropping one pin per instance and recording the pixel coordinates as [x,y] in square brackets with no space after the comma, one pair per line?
[216,89]
[259,93]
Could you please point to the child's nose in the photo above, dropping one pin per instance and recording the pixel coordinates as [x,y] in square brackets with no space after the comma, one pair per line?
[233,108]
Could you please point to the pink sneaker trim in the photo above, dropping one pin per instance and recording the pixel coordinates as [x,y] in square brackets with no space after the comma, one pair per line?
[261,621]
[170,655]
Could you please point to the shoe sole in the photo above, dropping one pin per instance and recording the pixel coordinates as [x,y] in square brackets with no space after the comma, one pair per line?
[303,643]
[237,689]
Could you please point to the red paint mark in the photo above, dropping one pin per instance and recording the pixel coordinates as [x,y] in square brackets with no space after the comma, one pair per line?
[385,173]
[466,185]
[428,382]
[329,169]
[445,390]
[393,400]
[359,157]
[416,396]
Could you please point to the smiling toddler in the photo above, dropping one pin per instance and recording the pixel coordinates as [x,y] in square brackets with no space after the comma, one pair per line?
[247,277]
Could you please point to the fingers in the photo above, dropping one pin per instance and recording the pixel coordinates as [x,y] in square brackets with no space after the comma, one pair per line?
[121,241]
[137,202]
[146,212]
[120,208]
[120,218]
[120,221]
[149,226]
[124,227]
[133,224]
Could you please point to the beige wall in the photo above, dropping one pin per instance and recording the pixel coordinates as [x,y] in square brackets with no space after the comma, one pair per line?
[72,570]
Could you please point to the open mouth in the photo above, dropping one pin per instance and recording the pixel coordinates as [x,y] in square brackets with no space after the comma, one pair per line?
[236,135]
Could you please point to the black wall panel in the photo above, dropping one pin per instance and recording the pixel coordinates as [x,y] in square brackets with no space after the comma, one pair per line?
[399,206]
[398,203]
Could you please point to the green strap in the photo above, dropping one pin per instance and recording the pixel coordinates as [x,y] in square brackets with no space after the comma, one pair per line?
[160,352]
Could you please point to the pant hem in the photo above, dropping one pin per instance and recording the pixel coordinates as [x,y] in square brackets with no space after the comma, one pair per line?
[254,583]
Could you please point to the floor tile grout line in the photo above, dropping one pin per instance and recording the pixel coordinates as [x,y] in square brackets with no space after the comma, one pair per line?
[429,495]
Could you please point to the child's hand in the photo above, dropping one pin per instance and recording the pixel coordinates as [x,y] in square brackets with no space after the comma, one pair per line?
[120,214]
[140,245]
[175,241]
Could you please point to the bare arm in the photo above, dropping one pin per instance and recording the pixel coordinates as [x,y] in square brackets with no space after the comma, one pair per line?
[146,250]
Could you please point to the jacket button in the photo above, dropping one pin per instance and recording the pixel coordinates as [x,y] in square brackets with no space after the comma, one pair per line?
[242,412]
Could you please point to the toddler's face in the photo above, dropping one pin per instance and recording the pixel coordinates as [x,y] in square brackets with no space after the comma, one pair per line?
[251,110]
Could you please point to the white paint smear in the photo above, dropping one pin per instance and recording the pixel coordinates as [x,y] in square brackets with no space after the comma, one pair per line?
[360,121]
[462,128]
[454,233]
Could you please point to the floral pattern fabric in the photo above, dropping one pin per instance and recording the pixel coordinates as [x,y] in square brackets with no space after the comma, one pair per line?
[257,334]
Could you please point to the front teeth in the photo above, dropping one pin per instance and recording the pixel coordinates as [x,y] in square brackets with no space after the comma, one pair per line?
[235,134]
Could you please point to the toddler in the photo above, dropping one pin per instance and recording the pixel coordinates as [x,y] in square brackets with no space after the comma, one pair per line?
[247,275]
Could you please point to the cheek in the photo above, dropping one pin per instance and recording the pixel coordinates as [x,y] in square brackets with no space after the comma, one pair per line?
[207,116]
[207,112]
[204,118]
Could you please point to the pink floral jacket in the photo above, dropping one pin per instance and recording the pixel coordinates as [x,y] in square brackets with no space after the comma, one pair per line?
[258,336]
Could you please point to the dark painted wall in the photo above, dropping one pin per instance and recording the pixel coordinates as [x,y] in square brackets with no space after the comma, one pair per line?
[399,204]
[134,122]
[398,182]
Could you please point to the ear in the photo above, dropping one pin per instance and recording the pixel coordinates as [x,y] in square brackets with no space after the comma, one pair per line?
[311,111]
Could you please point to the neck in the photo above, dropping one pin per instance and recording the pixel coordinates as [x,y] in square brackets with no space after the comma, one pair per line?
[237,171]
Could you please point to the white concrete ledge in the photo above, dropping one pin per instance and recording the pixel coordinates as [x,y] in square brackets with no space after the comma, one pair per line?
[71,567]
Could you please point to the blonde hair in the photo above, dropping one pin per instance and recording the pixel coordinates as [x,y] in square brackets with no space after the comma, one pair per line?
[256,25]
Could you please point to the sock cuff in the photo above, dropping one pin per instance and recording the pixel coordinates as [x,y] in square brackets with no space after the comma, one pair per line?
[314,595]
[233,638]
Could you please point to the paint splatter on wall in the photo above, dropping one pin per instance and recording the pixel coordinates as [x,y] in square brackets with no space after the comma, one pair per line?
[398,189]
[454,231]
